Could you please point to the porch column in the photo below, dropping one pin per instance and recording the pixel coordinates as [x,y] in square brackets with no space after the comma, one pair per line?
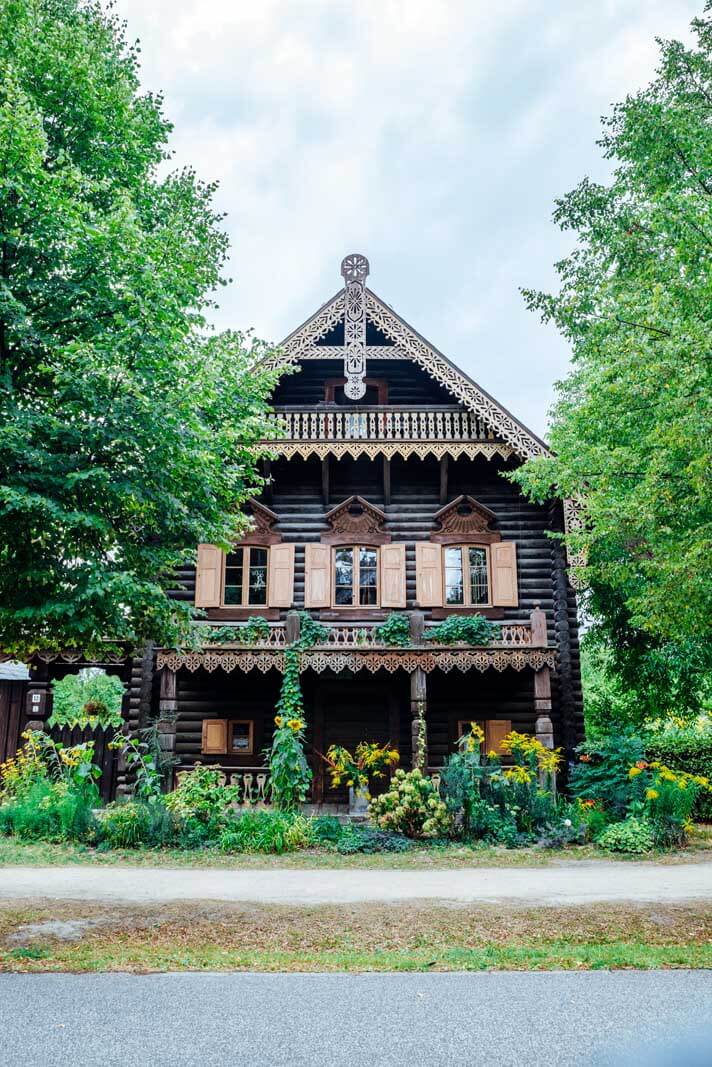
[418,699]
[542,681]
[167,713]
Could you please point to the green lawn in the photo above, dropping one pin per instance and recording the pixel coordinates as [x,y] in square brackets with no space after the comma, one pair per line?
[17,853]
[85,937]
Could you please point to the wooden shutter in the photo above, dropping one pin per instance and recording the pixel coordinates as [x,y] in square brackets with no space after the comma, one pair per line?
[504,574]
[428,575]
[214,742]
[495,731]
[393,576]
[209,576]
[281,576]
[317,576]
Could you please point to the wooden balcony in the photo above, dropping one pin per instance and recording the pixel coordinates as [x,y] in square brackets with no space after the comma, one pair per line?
[377,424]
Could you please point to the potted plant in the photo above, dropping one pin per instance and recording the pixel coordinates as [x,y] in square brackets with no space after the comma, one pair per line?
[370,760]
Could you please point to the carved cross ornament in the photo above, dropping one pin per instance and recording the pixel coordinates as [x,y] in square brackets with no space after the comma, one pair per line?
[354,271]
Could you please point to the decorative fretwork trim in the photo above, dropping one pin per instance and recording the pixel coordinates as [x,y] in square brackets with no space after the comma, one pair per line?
[573,522]
[337,352]
[454,380]
[293,347]
[392,660]
[372,449]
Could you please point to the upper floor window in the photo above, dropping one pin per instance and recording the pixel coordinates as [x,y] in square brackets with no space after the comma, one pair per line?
[355,576]
[246,577]
[466,575]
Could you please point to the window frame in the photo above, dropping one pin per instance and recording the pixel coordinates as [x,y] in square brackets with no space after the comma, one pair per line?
[355,604]
[229,750]
[244,601]
[464,547]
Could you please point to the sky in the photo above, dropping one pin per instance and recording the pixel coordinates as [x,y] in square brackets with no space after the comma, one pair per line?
[433,136]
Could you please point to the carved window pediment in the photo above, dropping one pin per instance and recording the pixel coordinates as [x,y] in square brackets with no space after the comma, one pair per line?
[465,520]
[263,521]
[355,521]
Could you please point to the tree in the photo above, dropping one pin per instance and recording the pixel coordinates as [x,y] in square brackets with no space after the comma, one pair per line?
[127,429]
[632,426]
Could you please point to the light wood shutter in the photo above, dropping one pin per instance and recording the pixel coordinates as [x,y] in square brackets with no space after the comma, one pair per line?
[209,576]
[317,576]
[504,574]
[495,731]
[214,741]
[393,576]
[281,576]
[428,575]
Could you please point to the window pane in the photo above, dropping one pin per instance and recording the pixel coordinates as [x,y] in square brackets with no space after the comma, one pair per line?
[479,593]
[233,577]
[368,576]
[454,586]
[240,737]
[343,575]
[258,576]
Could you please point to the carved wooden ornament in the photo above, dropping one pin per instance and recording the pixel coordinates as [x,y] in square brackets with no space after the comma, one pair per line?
[465,520]
[356,522]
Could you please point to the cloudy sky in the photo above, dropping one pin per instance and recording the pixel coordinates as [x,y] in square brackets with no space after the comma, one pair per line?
[431,135]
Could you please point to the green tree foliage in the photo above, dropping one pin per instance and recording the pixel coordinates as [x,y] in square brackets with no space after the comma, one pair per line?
[92,694]
[632,428]
[125,426]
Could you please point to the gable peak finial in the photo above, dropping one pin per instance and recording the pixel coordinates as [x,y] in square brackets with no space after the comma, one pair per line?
[355,268]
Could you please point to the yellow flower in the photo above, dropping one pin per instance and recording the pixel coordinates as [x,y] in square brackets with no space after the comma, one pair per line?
[491,754]
[634,771]
[651,794]
[278,720]
[294,724]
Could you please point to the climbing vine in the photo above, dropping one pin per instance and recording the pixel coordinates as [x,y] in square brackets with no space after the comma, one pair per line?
[290,773]
[395,630]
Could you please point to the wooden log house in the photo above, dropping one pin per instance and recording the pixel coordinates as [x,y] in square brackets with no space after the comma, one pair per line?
[386,494]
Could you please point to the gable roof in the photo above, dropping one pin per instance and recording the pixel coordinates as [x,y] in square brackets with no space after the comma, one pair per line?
[407,344]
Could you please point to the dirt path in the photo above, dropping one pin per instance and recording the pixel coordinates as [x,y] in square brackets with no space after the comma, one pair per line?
[576,883]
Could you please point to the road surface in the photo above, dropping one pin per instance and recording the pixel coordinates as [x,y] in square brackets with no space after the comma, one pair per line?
[606,1019]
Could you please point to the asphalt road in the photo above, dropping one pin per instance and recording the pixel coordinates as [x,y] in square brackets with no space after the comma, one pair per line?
[422,1020]
[580,882]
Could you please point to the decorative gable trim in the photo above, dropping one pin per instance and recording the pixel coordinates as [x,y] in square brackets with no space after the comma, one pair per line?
[465,519]
[263,519]
[355,521]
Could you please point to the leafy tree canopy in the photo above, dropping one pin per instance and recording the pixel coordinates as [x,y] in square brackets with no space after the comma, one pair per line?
[632,427]
[125,427]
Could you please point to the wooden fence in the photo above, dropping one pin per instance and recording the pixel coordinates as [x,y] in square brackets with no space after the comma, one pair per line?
[104,757]
[12,716]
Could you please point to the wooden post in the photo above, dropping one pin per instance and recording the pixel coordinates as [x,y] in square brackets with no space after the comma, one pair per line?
[444,463]
[544,727]
[418,711]
[292,627]
[267,475]
[319,765]
[538,626]
[386,480]
[167,715]
[325,489]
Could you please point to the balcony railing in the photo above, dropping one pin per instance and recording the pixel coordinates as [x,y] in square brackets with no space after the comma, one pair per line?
[355,636]
[377,424]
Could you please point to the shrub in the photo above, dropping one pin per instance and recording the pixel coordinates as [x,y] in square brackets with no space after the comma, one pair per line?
[365,839]
[50,811]
[690,750]
[471,629]
[266,831]
[669,801]
[327,830]
[602,772]
[632,835]
[394,631]
[411,806]
[135,824]
[201,795]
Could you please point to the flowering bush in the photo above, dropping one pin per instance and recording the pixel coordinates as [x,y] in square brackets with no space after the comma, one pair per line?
[668,800]
[370,760]
[411,806]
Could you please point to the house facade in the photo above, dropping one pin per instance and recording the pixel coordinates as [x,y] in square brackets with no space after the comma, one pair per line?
[386,496]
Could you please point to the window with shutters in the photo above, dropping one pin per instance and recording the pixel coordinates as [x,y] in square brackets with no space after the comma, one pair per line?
[466,576]
[355,571]
[246,577]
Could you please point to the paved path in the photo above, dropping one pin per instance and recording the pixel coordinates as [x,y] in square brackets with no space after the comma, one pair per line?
[390,1020]
[575,883]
